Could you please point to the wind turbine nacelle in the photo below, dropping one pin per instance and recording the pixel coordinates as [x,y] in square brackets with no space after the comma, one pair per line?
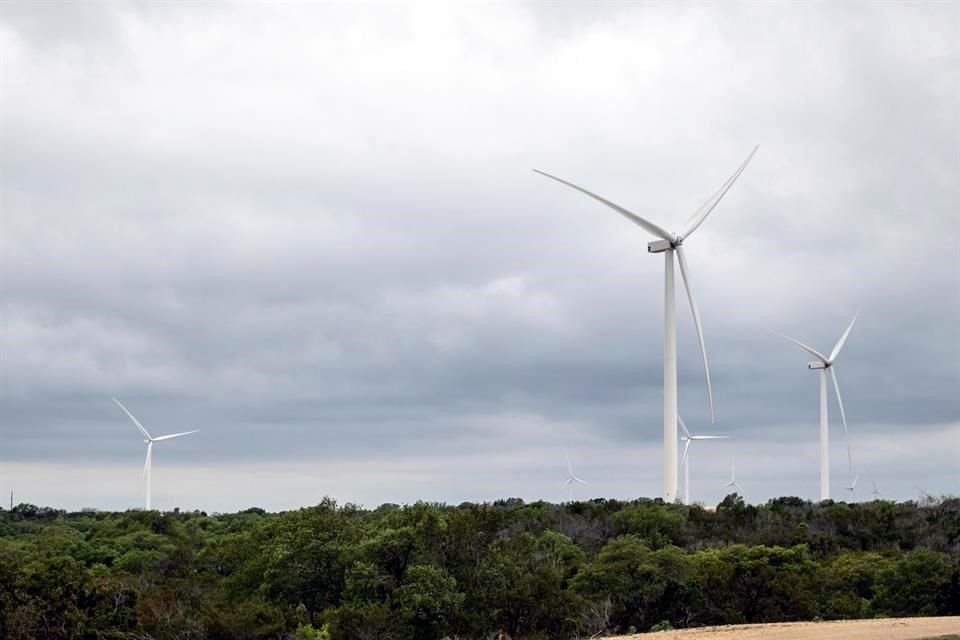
[659,246]
[816,365]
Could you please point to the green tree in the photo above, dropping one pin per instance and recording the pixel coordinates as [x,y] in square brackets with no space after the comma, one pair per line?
[428,600]
[658,524]
[846,584]
[625,573]
[916,584]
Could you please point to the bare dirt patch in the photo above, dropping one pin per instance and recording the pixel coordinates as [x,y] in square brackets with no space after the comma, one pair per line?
[883,629]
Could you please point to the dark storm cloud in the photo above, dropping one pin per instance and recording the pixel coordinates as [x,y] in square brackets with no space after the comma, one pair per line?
[313,233]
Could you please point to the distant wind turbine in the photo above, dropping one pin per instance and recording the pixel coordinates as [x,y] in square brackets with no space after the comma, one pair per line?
[572,480]
[733,478]
[685,461]
[148,440]
[876,492]
[852,488]
[669,243]
[825,363]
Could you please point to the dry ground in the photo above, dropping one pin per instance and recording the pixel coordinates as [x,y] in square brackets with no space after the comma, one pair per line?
[884,629]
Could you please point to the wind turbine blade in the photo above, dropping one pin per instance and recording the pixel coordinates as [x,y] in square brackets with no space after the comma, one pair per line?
[701,214]
[709,437]
[816,354]
[580,481]
[854,483]
[837,347]
[739,488]
[174,435]
[686,448]
[569,480]
[685,273]
[843,416]
[569,466]
[646,224]
[683,425]
[135,421]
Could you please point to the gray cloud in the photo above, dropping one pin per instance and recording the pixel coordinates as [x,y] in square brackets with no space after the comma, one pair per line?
[313,232]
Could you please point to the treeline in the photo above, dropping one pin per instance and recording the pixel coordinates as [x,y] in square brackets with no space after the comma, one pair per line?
[430,571]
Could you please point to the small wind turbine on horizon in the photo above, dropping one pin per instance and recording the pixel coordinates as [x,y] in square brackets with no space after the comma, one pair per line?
[149,440]
[685,461]
[823,364]
[852,488]
[876,492]
[668,244]
[926,497]
[733,478]
[572,479]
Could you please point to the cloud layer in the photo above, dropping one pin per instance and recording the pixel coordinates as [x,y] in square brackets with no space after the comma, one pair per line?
[313,233]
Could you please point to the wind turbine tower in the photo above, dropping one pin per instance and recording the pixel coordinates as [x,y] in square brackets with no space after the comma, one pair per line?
[148,440]
[669,244]
[823,364]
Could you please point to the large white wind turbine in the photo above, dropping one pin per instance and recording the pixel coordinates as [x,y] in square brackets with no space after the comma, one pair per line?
[733,478]
[685,460]
[149,440]
[824,364]
[876,492]
[668,244]
[571,478]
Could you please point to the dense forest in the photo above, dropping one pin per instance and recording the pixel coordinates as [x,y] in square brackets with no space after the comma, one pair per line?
[476,571]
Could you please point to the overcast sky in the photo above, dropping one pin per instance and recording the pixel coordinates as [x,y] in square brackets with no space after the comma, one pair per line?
[312,232]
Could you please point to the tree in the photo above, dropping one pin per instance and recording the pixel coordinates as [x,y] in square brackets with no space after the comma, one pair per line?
[846,584]
[428,600]
[623,572]
[916,584]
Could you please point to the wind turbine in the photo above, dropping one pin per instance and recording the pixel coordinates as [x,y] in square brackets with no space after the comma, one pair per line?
[685,461]
[926,496]
[824,363]
[853,488]
[669,243]
[876,492]
[148,440]
[733,478]
[571,478]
